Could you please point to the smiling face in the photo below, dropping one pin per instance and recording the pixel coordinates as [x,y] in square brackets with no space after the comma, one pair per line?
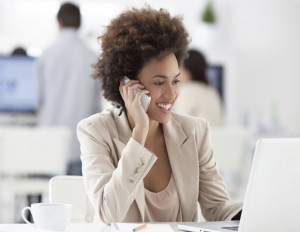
[161,78]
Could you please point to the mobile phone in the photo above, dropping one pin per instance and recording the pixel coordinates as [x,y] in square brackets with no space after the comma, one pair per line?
[145,99]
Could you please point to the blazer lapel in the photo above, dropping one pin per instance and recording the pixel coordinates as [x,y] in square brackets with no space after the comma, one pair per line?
[181,150]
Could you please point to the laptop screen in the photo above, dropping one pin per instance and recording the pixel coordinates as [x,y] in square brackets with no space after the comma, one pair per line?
[18,84]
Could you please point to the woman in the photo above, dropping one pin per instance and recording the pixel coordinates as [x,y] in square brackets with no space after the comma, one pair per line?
[197,96]
[156,165]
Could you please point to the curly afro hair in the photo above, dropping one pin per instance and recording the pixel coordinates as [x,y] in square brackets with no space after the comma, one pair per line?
[131,40]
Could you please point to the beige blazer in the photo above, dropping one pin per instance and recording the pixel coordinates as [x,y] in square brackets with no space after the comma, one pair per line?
[114,166]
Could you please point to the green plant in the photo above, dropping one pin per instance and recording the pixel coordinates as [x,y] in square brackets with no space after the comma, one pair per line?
[208,14]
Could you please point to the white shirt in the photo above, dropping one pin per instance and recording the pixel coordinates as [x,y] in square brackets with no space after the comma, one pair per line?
[67,92]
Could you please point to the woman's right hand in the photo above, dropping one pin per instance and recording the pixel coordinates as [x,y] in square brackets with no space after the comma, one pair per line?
[137,116]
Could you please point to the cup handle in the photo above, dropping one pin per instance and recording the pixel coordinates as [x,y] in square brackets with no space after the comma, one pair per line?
[23,214]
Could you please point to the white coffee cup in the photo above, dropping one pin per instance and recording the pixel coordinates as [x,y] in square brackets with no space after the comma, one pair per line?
[49,216]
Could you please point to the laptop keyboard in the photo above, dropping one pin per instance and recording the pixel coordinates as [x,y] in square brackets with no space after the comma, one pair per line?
[233,228]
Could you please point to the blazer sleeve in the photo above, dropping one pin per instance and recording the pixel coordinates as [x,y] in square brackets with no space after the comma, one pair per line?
[111,187]
[214,199]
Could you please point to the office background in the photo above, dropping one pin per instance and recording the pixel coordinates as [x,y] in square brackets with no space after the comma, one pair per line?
[256,42]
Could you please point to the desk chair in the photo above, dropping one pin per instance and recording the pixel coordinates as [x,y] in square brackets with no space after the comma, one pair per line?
[71,190]
[30,156]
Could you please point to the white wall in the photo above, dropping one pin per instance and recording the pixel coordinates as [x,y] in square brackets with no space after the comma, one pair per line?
[256,40]
[267,55]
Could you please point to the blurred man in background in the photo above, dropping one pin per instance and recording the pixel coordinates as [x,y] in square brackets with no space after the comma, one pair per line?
[67,93]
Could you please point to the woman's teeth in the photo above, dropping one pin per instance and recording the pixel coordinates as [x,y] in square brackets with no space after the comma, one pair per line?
[164,106]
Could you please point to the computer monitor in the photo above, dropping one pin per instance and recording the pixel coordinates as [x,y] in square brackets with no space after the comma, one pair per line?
[18,84]
[215,75]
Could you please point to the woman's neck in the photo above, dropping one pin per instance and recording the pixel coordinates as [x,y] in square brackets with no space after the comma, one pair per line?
[154,128]
[154,136]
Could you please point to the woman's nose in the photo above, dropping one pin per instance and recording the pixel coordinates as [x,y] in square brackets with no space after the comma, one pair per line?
[170,92]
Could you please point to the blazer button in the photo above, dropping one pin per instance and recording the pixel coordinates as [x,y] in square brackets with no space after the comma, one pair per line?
[137,169]
[131,179]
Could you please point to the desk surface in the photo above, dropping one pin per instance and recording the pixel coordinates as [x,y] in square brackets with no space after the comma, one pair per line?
[92,227]
[72,227]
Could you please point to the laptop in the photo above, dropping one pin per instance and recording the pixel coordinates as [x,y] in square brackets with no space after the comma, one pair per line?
[272,200]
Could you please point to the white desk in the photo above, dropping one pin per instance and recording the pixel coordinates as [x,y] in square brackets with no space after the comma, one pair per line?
[72,227]
[92,227]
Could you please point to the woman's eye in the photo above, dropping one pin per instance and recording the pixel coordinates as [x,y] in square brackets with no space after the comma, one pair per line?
[158,83]
[177,81]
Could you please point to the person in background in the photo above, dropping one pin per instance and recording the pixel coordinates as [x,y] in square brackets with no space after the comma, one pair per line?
[197,97]
[19,51]
[148,164]
[67,92]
